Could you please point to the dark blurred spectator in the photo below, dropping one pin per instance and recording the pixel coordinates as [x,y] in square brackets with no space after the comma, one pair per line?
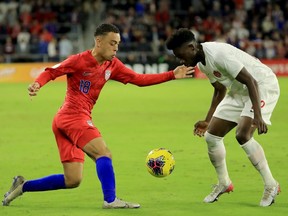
[140,8]
[25,17]
[14,31]
[9,47]
[23,42]
[256,26]
[25,6]
[46,35]
[162,15]
[52,50]
[2,16]
[51,26]
[34,44]
[36,27]
[269,46]
[65,47]
[42,47]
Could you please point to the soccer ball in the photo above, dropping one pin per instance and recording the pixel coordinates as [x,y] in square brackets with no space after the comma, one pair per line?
[160,162]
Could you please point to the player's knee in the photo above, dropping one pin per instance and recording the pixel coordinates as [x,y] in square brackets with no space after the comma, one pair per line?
[211,139]
[73,182]
[242,137]
[96,149]
[208,137]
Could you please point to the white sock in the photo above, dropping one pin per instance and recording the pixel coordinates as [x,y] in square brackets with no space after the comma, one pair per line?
[257,157]
[217,154]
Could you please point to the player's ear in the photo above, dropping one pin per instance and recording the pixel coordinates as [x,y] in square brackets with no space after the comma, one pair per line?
[191,46]
[97,41]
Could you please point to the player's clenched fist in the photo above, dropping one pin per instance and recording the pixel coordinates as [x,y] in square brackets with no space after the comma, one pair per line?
[33,88]
[200,128]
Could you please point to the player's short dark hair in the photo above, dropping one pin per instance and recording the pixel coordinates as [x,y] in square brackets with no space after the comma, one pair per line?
[179,37]
[105,28]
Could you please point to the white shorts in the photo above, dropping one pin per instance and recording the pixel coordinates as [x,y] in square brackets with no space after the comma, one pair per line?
[233,107]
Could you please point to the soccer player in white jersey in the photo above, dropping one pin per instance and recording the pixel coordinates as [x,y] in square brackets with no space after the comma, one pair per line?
[245,94]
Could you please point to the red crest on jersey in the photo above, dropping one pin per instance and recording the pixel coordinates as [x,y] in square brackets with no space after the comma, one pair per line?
[217,74]
[262,103]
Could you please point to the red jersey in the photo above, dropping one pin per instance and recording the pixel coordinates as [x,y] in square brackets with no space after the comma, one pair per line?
[86,78]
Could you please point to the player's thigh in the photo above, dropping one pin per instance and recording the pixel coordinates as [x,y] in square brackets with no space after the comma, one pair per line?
[68,150]
[226,116]
[220,127]
[73,172]
[97,148]
[230,109]
[245,129]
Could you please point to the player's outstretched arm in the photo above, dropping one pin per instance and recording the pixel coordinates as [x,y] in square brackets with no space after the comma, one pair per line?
[33,88]
[183,72]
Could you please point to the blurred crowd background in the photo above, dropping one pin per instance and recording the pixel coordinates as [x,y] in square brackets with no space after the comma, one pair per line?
[51,30]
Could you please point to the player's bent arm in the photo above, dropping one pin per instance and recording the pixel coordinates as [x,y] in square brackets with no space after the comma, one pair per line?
[218,95]
[252,86]
[200,127]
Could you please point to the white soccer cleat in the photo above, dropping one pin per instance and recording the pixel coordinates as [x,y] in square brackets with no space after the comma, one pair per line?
[15,190]
[218,190]
[269,195]
[118,203]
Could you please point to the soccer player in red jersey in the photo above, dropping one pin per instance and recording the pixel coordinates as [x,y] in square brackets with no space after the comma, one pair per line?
[75,134]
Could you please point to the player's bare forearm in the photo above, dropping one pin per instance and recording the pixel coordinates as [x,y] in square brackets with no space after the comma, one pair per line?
[218,95]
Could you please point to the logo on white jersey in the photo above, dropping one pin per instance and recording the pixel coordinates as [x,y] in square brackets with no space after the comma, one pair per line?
[217,74]
[107,74]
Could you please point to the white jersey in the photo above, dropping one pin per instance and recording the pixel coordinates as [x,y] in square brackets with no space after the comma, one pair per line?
[224,62]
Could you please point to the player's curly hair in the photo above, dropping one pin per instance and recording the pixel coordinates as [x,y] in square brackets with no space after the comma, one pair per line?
[179,37]
[105,28]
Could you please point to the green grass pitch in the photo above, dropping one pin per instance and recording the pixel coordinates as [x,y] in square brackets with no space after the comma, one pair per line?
[134,121]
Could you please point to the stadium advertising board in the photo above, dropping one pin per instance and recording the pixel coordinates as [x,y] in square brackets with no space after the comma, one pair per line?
[23,72]
[27,72]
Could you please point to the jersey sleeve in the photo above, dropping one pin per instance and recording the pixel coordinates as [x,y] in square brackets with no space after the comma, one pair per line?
[60,69]
[211,78]
[125,75]
[226,62]
[208,75]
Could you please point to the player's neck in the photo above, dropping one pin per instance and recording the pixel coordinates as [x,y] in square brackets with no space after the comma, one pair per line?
[98,57]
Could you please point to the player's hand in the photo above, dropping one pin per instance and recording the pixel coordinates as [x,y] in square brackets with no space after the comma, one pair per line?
[33,88]
[183,72]
[260,124]
[200,128]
